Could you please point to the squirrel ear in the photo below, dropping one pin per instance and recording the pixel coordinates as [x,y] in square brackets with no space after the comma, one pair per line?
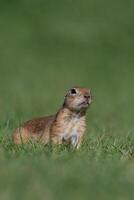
[65,96]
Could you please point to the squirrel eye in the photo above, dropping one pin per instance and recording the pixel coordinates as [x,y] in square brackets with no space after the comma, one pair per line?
[73,91]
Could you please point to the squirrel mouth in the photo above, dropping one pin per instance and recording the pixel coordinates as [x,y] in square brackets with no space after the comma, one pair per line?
[84,103]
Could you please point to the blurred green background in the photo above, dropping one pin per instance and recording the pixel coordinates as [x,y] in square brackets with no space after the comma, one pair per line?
[46,47]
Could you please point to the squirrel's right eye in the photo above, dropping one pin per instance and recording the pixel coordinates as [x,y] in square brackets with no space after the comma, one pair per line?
[73,91]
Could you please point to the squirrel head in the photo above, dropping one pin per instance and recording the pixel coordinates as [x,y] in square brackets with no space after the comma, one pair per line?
[78,99]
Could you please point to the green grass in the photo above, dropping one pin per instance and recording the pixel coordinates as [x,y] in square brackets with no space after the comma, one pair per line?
[47,47]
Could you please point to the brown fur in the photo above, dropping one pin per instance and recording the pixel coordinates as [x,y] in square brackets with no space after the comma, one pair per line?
[67,126]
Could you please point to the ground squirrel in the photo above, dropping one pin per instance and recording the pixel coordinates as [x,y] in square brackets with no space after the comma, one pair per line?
[67,126]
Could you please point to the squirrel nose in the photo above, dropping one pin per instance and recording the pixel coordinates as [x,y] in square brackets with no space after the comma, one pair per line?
[87,97]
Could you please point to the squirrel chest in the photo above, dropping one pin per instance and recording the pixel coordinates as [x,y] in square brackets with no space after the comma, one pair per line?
[70,128]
